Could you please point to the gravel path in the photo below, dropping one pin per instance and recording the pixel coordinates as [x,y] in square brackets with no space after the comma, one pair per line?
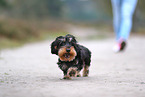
[31,71]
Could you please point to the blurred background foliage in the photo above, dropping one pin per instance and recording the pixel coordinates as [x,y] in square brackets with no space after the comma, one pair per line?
[22,20]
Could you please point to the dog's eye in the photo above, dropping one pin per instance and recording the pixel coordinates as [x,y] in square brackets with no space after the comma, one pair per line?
[63,43]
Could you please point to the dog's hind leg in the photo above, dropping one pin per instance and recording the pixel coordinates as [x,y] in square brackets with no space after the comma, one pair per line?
[86,71]
[86,67]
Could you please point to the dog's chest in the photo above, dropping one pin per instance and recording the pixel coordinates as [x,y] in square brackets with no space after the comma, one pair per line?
[65,65]
[72,63]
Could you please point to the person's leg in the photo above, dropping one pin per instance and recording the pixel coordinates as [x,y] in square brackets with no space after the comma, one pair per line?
[116,6]
[127,10]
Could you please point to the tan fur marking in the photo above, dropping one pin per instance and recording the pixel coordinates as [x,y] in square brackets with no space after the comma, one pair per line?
[62,52]
[55,47]
[85,71]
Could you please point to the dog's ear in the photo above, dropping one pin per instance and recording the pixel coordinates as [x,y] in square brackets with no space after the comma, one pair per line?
[55,45]
[54,49]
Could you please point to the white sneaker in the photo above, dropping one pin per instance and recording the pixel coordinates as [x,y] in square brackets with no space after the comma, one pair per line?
[116,48]
[119,46]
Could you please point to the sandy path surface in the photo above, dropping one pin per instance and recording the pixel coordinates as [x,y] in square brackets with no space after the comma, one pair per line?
[31,71]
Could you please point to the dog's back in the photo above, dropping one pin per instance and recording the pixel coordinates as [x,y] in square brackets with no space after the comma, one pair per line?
[85,55]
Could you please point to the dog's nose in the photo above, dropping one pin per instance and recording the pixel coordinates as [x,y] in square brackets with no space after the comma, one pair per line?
[68,50]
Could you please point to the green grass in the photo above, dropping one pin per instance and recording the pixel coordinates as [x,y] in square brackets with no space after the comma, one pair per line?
[45,35]
[6,73]
[16,32]
[1,81]
[5,43]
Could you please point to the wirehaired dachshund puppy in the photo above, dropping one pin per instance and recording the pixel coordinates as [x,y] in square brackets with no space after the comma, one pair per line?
[72,56]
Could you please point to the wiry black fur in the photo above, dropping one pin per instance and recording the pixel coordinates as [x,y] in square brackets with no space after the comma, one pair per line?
[83,54]
[56,44]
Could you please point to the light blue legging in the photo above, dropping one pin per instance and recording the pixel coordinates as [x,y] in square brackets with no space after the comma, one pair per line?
[122,17]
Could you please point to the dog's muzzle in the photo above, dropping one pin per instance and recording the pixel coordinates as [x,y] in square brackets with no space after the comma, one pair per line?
[67,53]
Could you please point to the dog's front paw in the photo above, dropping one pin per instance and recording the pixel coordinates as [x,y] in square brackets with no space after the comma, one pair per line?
[78,75]
[67,77]
[72,71]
